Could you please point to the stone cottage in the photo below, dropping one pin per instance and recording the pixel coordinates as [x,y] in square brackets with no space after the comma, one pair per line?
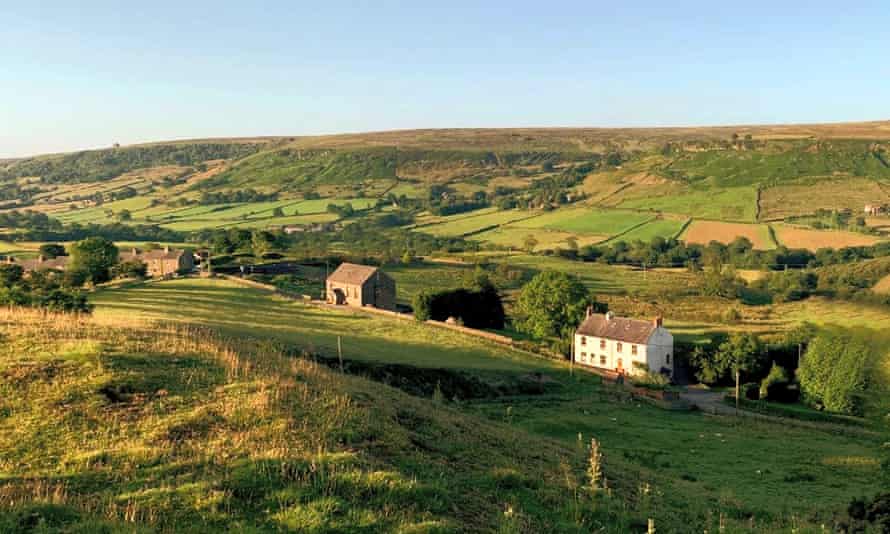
[361,285]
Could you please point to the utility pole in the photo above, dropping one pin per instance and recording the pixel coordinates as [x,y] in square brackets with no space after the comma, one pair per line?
[737,374]
[340,352]
[572,358]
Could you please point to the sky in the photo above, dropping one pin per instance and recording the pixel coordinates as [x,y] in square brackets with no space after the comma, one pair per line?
[77,75]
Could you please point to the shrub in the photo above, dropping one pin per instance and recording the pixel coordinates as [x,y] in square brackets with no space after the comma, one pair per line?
[774,385]
[422,304]
[750,391]
[832,373]
[129,269]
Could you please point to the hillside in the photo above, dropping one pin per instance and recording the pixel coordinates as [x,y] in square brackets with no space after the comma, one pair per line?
[142,417]
[744,174]
[210,433]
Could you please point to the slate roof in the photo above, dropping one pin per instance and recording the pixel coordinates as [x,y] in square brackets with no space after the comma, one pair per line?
[352,273]
[617,328]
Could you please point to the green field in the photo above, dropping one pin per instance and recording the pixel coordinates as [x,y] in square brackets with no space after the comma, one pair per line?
[666,228]
[695,466]
[514,237]
[464,224]
[587,221]
[731,204]
[211,302]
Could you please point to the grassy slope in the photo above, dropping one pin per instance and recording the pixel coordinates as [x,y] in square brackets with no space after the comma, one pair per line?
[197,434]
[247,311]
[696,466]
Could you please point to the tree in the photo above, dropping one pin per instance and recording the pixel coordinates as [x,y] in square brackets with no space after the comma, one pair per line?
[10,274]
[278,212]
[833,373]
[129,269]
[92,260]
[125,215]
[52,250]
[740,352]
[551,305]
[422,305]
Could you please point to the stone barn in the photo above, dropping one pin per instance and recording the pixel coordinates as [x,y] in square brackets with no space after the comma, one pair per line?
[361,285]
[162,262]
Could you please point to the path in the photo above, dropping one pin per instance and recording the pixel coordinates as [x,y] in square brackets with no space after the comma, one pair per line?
[711,402]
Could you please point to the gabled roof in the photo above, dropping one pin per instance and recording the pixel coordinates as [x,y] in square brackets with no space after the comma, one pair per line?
[618,328]
[352,273]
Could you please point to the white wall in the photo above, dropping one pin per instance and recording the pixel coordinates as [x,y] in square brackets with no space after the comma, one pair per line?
[654,354]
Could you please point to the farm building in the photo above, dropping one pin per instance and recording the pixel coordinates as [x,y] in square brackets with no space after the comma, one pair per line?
[163,261]
[873,209]
[361,285]
[623,345]
[40,263]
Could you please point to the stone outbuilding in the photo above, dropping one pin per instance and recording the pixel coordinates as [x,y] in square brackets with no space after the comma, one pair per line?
[162,262]
[361,285]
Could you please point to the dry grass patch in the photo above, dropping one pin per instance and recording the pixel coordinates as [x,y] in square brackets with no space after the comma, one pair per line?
[703,232]
[799,237]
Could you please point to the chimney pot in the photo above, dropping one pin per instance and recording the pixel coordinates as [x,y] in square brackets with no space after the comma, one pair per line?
[658,321]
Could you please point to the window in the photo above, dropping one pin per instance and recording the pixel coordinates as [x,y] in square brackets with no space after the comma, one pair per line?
[583,356]
[602,343]
[602,360]
[583,340]
[667,359]
[618,347]
[633,349]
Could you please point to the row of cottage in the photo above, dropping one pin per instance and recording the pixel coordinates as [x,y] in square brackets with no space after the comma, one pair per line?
[159,263]
[603,340]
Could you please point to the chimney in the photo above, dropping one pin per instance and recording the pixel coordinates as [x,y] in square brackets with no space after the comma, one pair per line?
[589,311]
[658,321]
[166,248]
[135,252]
[609,315]
[41,258]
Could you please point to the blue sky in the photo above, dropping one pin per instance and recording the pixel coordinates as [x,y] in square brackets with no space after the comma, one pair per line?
[87,74]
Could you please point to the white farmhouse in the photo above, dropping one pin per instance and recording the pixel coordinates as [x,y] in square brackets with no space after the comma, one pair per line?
[624,346]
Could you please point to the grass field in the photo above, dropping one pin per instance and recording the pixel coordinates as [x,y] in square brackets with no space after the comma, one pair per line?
[608,279]
[793,236]
[703,232]
[666,228]
[212,302]
[464,224]
[586,221]
[695,467]
[804,198]
[731,204]
[514,237]
[118,425]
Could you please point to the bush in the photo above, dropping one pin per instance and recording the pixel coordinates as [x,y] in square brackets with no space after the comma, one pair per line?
[129,269]
[750,391]
[422,304]
[774,386]
[476,309]
[833,374]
